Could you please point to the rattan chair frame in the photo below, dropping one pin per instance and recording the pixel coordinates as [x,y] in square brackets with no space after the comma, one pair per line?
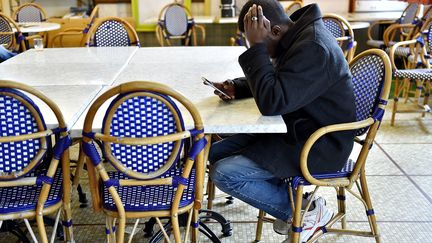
[403,86]
[343,23]
[133,36]
[164,37]
[98,173]
[294,6]
[404,31]
[340,184]
[7,181]
[17,39]
[76,31]
[39,7]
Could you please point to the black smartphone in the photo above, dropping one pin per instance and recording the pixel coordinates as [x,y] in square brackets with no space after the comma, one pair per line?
[210,83]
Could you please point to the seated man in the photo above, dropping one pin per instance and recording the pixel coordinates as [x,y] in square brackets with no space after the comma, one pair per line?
[293,68]
[5,54]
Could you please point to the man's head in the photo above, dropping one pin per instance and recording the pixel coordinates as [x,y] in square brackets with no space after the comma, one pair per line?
[274,12]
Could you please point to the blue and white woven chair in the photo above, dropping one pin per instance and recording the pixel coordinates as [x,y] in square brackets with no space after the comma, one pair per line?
[342,31]
[32,184]
[417,98]
[400,30]
[143,136]
[111,32]
[74,32]
[372,75]
[29,12]
[175,21]
[10,35]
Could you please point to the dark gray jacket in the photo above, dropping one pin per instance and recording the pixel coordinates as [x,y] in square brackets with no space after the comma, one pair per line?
[309,84]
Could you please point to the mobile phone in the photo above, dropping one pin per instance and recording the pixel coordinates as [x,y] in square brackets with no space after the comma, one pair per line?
[209,83]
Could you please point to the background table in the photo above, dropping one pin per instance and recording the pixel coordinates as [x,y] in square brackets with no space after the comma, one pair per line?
[34,27]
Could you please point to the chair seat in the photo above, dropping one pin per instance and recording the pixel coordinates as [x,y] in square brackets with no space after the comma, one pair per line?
[24,198]
[148,198]
[344,172]
[400,51]
[378,43]
[421,74]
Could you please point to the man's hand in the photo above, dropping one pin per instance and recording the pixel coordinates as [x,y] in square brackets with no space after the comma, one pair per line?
[228,87]
[257,26]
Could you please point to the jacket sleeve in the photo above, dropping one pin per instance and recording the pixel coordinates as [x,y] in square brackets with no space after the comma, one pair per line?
[302,76]
[242,89]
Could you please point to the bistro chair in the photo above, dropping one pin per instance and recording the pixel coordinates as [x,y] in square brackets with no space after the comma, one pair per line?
[10,35]
[402,29]
[32,184]
[342,31]
[143,136]
[371,72]
[175,21]
[111,32]
[74,32]
[294,6]
[30,12]
[420,78]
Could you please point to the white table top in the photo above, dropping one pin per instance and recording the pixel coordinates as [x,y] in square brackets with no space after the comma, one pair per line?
[33,27]
[181,68]
[72,100]
[61,73]
[372,16]
[75,55]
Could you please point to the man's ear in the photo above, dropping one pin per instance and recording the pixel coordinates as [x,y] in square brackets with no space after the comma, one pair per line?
[276,30]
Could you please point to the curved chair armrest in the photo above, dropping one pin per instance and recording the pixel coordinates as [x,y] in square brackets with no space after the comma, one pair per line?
[203,33]
[317,135]
[393,50]
[390,32]
[68,32]
[381,22]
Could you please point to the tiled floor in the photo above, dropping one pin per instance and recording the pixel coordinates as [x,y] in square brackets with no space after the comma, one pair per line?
[400,180]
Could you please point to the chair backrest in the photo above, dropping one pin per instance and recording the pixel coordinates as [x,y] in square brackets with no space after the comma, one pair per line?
[29,12]
[410,15]
[94,14]
[10,38]
[143,131]
[371,76]
[24,137]
[175,21]
[294,6]
[111,32]
[342,31]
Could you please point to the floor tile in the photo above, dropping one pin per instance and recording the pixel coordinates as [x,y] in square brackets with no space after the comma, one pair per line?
[414,159]
[425,183]
[406,131]
[377,162]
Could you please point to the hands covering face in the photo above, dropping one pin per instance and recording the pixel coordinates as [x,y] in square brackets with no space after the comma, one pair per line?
[257,26]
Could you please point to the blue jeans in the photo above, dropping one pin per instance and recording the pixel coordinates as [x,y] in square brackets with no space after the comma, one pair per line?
[244,179]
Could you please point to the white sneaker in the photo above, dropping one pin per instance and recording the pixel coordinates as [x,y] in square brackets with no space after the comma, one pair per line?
[314,220]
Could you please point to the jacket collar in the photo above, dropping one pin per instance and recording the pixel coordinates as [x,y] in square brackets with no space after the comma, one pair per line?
[301,18]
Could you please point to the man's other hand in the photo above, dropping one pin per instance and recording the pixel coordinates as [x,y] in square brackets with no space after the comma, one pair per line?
[257,26]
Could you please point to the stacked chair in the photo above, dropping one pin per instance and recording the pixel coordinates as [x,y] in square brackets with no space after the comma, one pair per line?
[419,75]
[73,32]
[342,31]
[153,173]
[111,32]
[34,174]
[175,22]
[371,72]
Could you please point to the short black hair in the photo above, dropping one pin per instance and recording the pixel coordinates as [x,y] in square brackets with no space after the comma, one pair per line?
[272,10]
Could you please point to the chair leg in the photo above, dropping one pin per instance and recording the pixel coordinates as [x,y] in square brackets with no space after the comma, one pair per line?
[176,228]
[260,222]
[195,220]
[341,205]
[426,96]
[369,212]
[395,101]
[211,193]
[296,225]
